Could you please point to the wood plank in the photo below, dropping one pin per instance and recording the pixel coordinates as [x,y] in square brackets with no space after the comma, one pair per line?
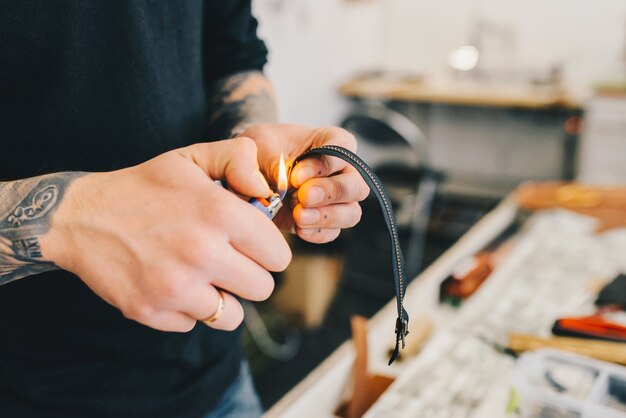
[457,93]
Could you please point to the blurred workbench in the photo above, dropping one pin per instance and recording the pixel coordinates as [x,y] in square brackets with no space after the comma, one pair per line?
[323,390]
[462,93]
[546,272]
[485,136]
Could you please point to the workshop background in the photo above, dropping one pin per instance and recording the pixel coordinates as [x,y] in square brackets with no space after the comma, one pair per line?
[455,103]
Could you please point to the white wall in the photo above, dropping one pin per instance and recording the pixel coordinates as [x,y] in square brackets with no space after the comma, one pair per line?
[587,36]
[316,44]
[313,46]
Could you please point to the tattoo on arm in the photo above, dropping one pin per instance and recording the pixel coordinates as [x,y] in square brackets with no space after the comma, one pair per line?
[26,208]
[241,100]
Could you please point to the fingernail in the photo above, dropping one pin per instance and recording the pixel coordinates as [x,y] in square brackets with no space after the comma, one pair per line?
[314,196]
[307,231]
[262,183]
[309,216]
[303,174]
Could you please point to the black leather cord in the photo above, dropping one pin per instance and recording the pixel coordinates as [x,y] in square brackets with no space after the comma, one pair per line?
[399,268]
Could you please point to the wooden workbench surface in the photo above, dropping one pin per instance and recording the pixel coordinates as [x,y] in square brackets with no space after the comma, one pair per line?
[462,93]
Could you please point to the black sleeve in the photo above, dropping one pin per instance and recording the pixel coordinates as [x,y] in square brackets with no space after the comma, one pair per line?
[230,41]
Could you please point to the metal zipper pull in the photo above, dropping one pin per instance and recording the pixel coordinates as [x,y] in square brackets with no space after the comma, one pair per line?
[399,268]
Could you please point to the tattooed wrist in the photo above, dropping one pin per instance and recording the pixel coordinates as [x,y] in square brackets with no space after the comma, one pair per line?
[26,209]
[241,100]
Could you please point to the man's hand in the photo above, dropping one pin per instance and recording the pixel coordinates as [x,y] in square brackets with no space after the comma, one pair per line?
[157,239]
[328,189]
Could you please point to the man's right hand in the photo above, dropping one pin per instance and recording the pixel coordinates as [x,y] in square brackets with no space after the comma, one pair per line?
[157,239]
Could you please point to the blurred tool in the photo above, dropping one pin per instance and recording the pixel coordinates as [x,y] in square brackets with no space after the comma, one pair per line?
[466,278]
[602,325]
[614,293]
[601,350]
[607,204]
[470,273]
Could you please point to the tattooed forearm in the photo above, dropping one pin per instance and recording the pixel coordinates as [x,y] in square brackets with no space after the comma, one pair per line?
[241,100]
[26,208]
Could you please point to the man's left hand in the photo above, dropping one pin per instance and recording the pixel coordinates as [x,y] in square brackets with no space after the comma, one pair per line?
[324,192]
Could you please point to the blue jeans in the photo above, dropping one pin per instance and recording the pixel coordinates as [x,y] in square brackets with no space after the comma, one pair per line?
[240,399]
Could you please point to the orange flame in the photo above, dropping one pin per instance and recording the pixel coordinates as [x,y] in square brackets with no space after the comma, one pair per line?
[283,181]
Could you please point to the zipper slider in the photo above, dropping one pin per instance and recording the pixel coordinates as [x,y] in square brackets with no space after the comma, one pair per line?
[402,327]
[402,330]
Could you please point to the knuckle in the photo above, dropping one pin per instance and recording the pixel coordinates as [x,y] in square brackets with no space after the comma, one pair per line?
[337,190]
[329,218]
[348,139]
[210,258]
[245,149]
[244,144]
[327,168]
[196,249]
[172,287]
[140,312]
[351,142]
[223,220]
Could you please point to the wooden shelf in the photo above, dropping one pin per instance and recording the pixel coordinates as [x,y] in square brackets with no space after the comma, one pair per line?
[462,93]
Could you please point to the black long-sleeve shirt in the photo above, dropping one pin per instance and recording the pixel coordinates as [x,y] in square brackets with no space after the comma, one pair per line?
[93,86]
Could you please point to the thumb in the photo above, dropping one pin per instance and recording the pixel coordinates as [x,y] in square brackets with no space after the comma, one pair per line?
[233,160]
